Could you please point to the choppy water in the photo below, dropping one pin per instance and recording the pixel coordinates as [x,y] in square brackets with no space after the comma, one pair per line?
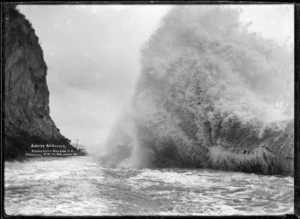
[80,186]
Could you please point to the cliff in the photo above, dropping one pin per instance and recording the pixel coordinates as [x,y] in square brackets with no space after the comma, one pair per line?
[26,116]
[211,95]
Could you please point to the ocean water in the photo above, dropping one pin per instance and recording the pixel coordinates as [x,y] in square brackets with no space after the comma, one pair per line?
[78,186]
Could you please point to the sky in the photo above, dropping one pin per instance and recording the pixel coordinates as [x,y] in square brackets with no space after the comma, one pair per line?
[93,51]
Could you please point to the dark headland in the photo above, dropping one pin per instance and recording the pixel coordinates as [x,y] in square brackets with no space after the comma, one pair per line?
[26,117]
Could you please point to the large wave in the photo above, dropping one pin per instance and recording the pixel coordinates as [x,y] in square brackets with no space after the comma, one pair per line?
[211,94]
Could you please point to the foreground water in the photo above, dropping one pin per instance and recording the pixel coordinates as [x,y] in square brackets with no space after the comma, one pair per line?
[80,186]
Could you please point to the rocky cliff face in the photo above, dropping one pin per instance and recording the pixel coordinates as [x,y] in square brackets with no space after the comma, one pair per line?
[27,119]
[211,94]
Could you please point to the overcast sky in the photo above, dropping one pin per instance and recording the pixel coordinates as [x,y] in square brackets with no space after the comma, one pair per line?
[92,54]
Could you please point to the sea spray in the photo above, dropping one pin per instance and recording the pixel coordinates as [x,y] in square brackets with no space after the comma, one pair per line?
[135,158]
[207,82]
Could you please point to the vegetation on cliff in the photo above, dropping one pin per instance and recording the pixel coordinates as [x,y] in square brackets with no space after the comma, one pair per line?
[211,94]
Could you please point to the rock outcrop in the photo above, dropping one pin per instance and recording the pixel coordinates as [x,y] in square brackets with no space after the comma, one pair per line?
[211,95]
[27,120]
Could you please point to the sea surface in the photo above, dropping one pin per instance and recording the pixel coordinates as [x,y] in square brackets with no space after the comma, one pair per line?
[78,186]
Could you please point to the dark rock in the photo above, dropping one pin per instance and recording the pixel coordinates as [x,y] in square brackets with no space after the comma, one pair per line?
[27,120]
